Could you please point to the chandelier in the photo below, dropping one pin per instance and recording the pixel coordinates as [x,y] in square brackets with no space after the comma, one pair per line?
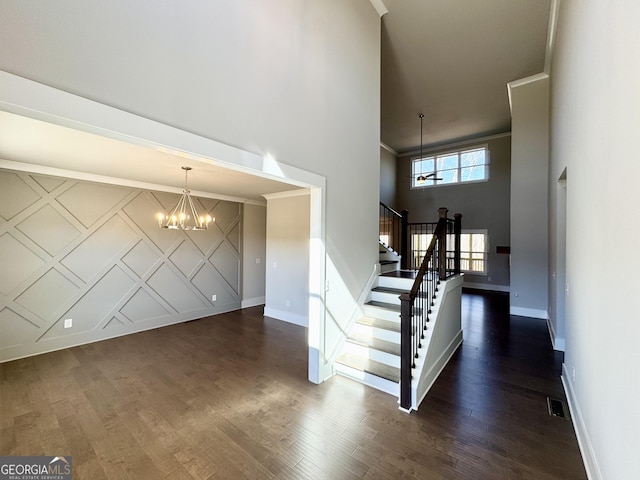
[184,215]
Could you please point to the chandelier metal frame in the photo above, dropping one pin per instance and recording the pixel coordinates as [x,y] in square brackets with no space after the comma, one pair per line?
[184,215]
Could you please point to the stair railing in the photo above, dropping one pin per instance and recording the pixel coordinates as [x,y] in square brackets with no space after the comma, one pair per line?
[441,261]
[393,232]
[419,235]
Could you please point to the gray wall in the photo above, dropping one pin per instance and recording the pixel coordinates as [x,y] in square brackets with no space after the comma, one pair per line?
[483,205]
[529,203]
[93,253]
[595,120]
[254,252]
[287,269]
[388,167]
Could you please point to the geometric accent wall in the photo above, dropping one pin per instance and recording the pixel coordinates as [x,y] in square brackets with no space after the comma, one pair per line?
[93,253]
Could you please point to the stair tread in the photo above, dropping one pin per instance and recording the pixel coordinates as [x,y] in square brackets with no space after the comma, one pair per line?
[387,306]
[378,323]
[396,291]
[375,343]
[393,307]
[388,262]
[400,274]
[399,291]
[370,366]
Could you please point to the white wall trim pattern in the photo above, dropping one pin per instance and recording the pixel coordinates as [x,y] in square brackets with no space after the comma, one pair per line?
[93,253]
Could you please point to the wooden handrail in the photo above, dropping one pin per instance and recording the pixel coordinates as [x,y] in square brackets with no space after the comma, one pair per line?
[442,227]
[393,226]
[390,209]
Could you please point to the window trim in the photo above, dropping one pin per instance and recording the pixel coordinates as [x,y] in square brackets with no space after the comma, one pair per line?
[459,151]
[484,232]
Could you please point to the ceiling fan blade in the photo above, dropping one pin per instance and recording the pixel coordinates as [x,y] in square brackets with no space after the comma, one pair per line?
[429,176]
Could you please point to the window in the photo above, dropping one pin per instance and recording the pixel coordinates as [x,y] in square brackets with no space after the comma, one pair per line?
[474,245]
[469,165]
[473,251]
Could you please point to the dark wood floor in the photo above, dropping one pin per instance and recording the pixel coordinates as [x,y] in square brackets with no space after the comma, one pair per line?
[226,397]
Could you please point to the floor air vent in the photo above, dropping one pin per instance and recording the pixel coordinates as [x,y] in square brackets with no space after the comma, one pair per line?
[557,408]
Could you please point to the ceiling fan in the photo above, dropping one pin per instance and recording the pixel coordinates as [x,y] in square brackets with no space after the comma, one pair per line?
[423,178]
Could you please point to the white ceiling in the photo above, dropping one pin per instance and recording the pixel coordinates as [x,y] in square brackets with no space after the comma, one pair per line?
[42,144]
[452,60]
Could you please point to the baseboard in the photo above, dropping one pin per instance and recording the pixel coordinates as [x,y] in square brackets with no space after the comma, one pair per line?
[253,302]
[557,343]
[529,312]
[487,286]
[84,338]
[285,316]
[584,441]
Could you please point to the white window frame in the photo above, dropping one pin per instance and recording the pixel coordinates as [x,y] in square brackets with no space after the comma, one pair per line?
[424,239]
[435,172]
[469,258]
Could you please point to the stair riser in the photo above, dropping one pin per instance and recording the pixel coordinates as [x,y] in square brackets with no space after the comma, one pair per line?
[372,354]
[394,282]
[386,255]
[381,313]
[388,267]
[368,379]
[379,333]
[393,298]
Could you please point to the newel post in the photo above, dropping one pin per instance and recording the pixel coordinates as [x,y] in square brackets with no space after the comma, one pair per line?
[404,240]
[442,244]
[457,231]
[406,356]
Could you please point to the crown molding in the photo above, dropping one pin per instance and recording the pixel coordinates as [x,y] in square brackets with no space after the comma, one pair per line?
[389,149]
[291,193]
[380,7]
[461,143]
[551,35]
[124,182]
[524,81]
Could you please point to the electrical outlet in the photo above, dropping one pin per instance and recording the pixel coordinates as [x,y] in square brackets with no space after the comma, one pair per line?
[68,322]
[214,297]
[573,374]
[288,303]
[489,278]
[258,261]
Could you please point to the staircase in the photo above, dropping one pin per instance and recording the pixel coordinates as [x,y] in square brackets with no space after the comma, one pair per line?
[371,353]
[404,356]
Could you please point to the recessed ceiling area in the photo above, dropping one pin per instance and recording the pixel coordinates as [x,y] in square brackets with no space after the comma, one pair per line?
[41,144]
[452,60]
